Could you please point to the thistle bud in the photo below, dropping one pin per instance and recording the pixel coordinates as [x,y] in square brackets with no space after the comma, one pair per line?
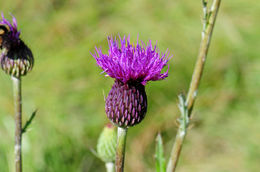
[16,58]
[106,147]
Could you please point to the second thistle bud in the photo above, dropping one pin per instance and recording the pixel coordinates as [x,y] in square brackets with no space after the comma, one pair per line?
[16,58]
[17,62]
[106,147]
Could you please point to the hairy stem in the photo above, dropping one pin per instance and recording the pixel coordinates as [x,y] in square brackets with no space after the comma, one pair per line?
[208,25]
[110,166]
[18,122]
[120,150]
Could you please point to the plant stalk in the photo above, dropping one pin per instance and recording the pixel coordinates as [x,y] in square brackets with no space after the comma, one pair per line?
[110,166]
[208,22]
[120,150]
[176,150]
[208,25]
[17,89]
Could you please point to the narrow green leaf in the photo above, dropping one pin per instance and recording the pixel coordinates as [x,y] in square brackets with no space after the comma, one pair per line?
[28,122]
[159,157]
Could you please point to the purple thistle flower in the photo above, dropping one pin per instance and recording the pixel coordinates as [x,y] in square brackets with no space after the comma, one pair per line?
[132,63]
[132,66]
[16,58]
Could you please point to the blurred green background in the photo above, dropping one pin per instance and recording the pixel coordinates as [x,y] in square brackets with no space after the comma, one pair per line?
[68,88]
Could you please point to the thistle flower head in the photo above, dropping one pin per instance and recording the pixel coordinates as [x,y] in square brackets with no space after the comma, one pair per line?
[16,58]
[128,62]
[132,66]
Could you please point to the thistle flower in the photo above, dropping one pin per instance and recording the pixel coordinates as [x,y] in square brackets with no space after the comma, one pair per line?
[16,58]
[132,66]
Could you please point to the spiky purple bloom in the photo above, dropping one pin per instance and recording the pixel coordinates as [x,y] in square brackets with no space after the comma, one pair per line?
[16,58]
[132,66]
[129,62]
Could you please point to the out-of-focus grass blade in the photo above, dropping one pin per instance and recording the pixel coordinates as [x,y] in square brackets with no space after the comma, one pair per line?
[159,157]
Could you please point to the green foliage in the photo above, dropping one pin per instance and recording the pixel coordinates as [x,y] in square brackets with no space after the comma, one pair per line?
[27,124]
[159,155]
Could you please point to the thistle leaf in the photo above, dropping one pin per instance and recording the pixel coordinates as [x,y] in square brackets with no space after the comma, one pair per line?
[28,122]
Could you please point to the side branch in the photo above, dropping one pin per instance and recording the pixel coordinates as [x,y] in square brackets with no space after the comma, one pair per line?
[209,19]
[204,46]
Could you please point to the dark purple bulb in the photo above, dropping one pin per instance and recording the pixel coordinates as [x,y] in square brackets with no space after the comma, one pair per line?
[126,104]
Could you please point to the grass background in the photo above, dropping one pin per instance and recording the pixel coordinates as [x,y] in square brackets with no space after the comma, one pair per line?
[68,90]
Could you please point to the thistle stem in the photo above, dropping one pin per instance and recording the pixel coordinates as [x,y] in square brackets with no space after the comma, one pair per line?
[120,150]
[110,166]
[208,25]
[176,150]
[17,89]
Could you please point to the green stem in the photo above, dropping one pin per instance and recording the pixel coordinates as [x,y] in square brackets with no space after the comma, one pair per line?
[120,150]
[204,46]
[181,133]
[18,122]
[110,166]
[208,25]
[176,150]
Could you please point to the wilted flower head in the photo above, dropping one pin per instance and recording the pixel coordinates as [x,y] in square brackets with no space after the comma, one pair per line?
[132,66]
[16,58]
